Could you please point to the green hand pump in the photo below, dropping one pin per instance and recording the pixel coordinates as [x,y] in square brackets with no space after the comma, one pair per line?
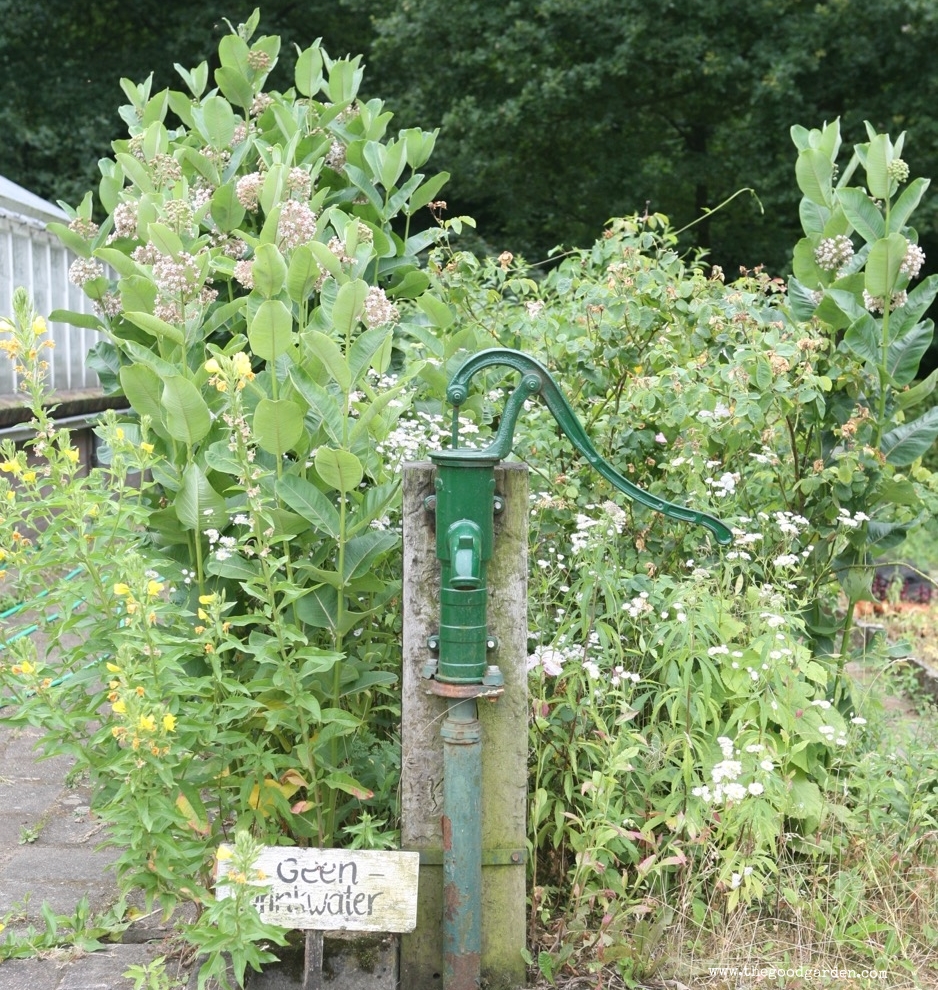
[460,669]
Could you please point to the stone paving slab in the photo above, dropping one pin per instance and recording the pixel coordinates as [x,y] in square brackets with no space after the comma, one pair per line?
[50,850]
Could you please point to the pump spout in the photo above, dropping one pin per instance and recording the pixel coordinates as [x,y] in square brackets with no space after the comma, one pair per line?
[465,554]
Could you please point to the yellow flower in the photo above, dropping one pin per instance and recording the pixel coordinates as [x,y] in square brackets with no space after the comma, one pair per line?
[24,668]
[121,589]
[223,853]
[113,668]
[154,588]
[212,366]
[119,708]
[29,476]
[39,326]
[169,722]
[71,454]
[147,447]
[11,467]
[147,723]
[132,606]
[242,365]
[203,615]
[206,599]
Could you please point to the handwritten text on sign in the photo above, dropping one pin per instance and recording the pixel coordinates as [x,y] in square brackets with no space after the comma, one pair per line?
[335,889]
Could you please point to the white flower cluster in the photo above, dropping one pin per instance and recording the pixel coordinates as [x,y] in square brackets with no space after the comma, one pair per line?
[378,309]
[833,253]
[877,304]
[720,411]
[297,224]
[913,261]
[724,485]
[640,605]
[725,776]
[551,659]
[248,190]
[851,522]
[413,438]
[84,270]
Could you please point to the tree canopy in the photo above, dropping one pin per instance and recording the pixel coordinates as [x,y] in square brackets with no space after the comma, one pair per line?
[554,115]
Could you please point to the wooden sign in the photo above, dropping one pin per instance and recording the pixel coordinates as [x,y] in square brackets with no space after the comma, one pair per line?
[335,889]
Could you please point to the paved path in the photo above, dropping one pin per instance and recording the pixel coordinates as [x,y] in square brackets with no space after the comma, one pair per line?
[49,852]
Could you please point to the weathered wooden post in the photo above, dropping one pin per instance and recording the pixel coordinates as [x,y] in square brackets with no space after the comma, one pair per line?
[504,737]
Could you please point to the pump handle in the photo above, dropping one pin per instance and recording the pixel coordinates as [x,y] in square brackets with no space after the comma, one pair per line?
[537,380]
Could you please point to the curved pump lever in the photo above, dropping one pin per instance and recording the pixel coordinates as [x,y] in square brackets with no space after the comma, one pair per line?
[536,380]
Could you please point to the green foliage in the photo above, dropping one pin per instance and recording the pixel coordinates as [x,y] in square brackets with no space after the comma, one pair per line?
[692,718]
[556,116]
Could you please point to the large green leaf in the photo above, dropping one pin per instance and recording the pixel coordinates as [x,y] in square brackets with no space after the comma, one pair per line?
[918,392]
[271,330]
[216,121]
[87,320]
[278,425]
[804,266]
[305,498]
[122,263]
[918,301]
[905,354]
[187,416]
[154,325]
[198,506]
[813,216]
[346,311]
[864,338]
[328,352]
[235,87]
[906,203]
[308,72]
[320,608]
[882,265]
[325,408]
[303,274]
[362,551]
[862,213]
[366,346]
[427,192]
[909,441]
[440,314]
[878,156]
[226,210]
[339,469]
[814,172]
[144,387]
[235,567]
[269,271]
